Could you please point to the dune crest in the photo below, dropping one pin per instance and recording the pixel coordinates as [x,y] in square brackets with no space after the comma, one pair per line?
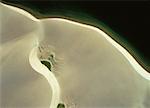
[89,69]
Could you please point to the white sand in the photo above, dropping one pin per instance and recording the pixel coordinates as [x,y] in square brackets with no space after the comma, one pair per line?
[92,70]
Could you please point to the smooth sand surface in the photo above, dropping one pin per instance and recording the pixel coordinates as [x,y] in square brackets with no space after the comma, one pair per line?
[91,70]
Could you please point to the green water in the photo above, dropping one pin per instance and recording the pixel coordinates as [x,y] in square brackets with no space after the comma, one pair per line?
[75,12]
[47,64]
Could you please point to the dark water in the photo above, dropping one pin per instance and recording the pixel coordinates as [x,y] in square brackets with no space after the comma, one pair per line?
[126,22]
[47,64]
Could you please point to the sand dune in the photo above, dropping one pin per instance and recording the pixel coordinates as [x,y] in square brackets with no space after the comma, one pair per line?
[89,69]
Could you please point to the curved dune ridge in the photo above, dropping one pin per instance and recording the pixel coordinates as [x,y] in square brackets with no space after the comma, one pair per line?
[90,69]
[36,64]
